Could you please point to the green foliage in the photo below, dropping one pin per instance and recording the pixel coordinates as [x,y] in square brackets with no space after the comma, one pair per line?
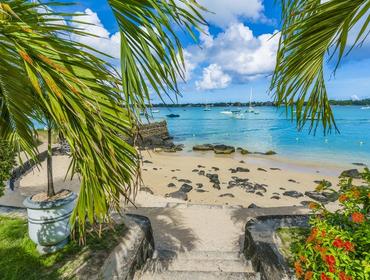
[19,258]
[6,163]
[312,32]
[338,246]
[44,72]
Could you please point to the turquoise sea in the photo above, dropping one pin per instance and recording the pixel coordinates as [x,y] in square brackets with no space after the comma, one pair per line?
[272,130]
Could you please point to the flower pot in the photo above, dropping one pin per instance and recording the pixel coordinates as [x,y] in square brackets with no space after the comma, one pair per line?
[48,222]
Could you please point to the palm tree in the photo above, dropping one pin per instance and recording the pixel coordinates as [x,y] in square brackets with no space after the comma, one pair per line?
[43,71]
[314,32]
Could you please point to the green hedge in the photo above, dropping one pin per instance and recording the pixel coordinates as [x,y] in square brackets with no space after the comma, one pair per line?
[7,162]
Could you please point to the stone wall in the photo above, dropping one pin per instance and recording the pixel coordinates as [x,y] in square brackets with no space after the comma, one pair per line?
[156,129]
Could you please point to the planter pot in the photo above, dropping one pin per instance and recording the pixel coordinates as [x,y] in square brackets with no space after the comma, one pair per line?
[48,222]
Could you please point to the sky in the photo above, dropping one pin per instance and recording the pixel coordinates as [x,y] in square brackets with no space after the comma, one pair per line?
[234,54]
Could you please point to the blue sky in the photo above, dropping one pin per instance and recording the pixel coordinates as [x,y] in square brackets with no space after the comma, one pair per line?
[238,52]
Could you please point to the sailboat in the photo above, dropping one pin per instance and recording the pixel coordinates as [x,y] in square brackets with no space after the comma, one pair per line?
[367,107]
[250,109]
[207,108]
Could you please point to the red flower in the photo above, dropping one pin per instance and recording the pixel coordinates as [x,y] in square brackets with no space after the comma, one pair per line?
[298,269]
[357,217]
[338,243]
[308,275]
[324,277]
[332,268]
[348,246]
[302,258]
[343,198]
[343,276]
[313,205]
[323,233]
[330,260]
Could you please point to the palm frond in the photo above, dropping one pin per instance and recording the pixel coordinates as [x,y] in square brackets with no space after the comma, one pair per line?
[313,32]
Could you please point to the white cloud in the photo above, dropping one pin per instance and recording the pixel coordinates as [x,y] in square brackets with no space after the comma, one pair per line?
[225,12]
[104,42]
[213,78]
[241,55]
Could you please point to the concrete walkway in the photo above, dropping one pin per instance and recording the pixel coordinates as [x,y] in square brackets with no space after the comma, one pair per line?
[201,241]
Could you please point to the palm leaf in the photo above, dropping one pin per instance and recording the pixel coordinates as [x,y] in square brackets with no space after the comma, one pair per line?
[314,32]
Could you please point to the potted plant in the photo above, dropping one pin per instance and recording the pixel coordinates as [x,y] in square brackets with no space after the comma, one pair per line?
[49,213]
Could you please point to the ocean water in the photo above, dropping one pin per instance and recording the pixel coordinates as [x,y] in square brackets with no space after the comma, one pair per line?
[272,130]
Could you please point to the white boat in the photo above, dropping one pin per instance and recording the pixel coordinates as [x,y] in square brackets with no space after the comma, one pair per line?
[155,111]
[207,108]
[226,112]
[366,107]
[250,109]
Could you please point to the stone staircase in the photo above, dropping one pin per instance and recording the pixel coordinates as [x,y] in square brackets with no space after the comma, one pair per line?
[196,242]
[197,265]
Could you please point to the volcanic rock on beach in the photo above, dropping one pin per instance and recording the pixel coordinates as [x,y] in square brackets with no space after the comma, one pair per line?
[223,149]
[204,147]
[185,188]
[294,194]
[179,195]
[351,173]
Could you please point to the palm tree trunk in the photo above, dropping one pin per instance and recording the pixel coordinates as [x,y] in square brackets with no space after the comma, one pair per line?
[51,191]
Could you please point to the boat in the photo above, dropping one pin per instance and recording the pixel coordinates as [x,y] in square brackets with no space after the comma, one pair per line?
[173,116]
[367,107]
[155,111]
[226,112]
[207,108]
[250,109]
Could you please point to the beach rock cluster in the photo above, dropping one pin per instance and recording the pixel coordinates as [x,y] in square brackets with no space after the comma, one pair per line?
[226,150]
[351,173]
[249,187]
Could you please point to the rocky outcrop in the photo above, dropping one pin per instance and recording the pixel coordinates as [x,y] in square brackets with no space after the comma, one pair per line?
[204,147]
[351,173]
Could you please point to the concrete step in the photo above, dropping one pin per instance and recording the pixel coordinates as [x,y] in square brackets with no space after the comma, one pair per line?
[206,265]
[197,275]
[198,255]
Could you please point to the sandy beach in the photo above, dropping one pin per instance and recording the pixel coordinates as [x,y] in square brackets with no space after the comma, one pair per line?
[243,179]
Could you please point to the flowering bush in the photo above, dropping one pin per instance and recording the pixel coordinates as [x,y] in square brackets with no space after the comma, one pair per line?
[338,246]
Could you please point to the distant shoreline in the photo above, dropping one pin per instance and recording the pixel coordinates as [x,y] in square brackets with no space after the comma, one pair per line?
[364,102]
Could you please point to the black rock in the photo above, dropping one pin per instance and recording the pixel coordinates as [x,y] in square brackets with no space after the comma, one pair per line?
[351,173]
[259,187]
[317,196]
[275,197]
[205,147]
[294,194]
[283,189]
[171,185]
[178,195]
[147,161]
[259,193]
[359,164]
[215,168]
[144,169]
[242,161]
[195,170]
[293,181]
[185,181]
[155,168]
[253,206]
[223,149]
[185,188]
[199,185]
[201,166]
[305,203]
[242,169]
[217,186]
[261,169]
[232,170]
[202,173]
[275,168]
[270,153]
[146,189]
[227,195]
[276,193]
[201,190]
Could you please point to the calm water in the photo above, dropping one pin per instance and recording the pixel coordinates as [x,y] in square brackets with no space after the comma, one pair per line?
[271,130]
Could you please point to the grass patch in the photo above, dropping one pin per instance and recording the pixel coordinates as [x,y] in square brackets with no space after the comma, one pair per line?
[290,238]
[19,258]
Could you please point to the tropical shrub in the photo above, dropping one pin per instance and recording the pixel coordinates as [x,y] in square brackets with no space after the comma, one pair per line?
[338,245]
[6,164]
